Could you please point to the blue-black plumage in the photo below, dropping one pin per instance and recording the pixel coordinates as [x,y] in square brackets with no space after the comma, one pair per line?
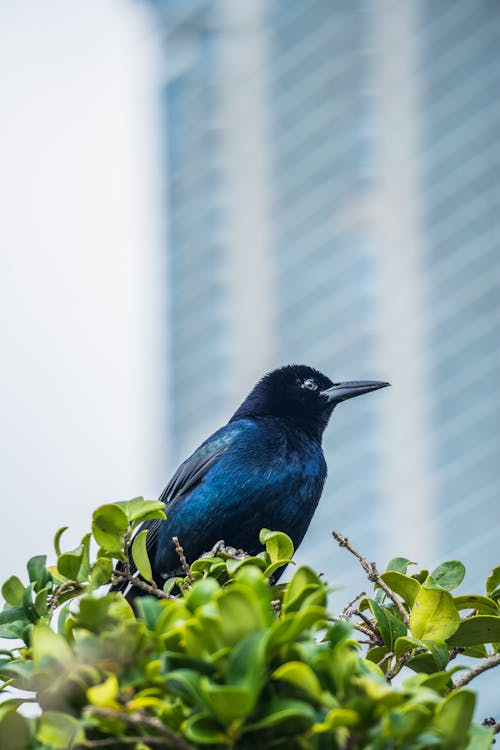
[264,468]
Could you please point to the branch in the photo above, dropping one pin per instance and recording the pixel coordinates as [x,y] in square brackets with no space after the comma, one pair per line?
[182,558]
[402,661]
[489,663]
[374,638]
[347,611]
[139,719]
[120,741]
[385,658]
[122,576]
[373,575]
[63,588]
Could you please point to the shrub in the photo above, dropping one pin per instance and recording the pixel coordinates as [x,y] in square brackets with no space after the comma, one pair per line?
[223,658]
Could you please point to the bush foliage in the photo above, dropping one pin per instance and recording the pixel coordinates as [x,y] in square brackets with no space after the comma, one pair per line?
[224,658]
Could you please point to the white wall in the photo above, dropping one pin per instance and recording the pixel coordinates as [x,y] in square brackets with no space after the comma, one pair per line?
[81,383]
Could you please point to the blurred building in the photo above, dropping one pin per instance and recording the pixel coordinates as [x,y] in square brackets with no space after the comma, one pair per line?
[333,196]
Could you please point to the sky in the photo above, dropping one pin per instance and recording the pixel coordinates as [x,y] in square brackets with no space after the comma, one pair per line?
[82,282]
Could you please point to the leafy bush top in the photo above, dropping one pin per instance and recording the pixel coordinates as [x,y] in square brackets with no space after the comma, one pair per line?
[233,661]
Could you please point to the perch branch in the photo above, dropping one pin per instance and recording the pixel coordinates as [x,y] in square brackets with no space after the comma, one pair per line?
[122,576]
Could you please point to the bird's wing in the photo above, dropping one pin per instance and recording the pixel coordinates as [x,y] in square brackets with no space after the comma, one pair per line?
[186,478]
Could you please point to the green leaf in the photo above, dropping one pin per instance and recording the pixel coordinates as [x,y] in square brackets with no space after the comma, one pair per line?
[453,718]
[476,630]
[421,576]
[42,601]
[37,571]
[303,582]
[227,702]
[439,651]
[439,681]
[14,729]
[98,614]
[247,662]
[69,563]
[493,583]
[204,730]
[57,539]
[101,572]
[140,555]
[405,644]
[483,604]
[434,616]
[271,569]
[284,717]
[479,738]
[59,730]
[46,643]
[139,510]
[338,717]
[279,546]
[201,593]
[12,591]
[234,565]
[186,684]
[240,613]
[399,564]
[28,603]
[109,524]
[389,626]
[301,676]
[104,695]
[288,629]
[402,585]
[449,574]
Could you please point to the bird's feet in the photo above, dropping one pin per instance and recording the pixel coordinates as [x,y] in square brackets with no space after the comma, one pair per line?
[220,548]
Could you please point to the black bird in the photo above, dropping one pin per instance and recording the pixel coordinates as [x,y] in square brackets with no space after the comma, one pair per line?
[264,468]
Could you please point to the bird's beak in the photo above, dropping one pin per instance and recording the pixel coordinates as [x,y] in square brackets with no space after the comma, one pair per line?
[342,391]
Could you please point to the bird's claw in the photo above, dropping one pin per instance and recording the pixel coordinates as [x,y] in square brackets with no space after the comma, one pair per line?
[231,552]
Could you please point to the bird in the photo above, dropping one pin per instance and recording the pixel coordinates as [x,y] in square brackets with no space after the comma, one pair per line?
[265,468]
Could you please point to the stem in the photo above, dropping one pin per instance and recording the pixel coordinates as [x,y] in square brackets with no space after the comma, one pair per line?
[123,577]
[182,558]
[346,612]
[138,720]
[489,663]
[63,588]
[373,575]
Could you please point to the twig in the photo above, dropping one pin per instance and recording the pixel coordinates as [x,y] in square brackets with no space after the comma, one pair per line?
[346,612]
[182,558]
[139,719]
[402,661]
[369,624]
[63,588]
[127,540]
[128,740]
[373,575]
[374,639]
[489,663]
[385,658]
[121,576]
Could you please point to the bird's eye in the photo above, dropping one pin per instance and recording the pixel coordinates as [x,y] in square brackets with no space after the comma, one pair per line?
[310,384]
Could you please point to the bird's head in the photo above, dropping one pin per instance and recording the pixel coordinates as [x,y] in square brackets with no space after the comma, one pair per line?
[303,394]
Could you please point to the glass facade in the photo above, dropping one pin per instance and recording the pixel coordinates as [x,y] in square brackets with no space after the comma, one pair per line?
[460,219]
[309,159]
